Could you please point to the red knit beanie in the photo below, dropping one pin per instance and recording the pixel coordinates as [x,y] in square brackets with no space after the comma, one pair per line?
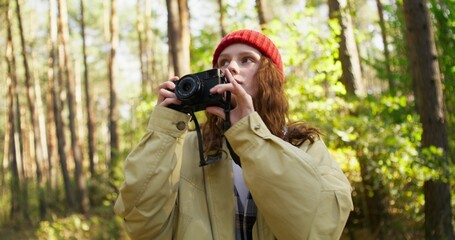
[254,39]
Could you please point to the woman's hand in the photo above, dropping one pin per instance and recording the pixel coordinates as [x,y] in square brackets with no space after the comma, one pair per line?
[166,95]
[242,101]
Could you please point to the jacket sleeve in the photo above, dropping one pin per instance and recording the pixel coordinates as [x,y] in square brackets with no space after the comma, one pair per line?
[301,192]
[147,197]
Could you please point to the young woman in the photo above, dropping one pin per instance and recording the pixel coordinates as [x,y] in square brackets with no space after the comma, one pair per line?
[274,180]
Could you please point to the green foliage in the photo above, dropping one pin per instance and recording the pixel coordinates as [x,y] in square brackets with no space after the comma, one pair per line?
[136,125]
[4,201]
[379,133]
[75,226]
[241,14]
[60,223]
[102,190]
[433,164]
[202,47]
[382,136]
[399,65]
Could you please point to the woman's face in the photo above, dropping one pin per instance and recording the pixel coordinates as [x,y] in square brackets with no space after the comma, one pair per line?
[243,62]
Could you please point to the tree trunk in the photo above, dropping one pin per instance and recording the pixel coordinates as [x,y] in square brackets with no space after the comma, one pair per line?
[113,114]
[51,122]
[41,166]
[142,52]
[15,147]
[7,137]
[88,99]
[437,210]
[348,53]
[8,147]
[70,90]
[151,65]
[37,146]
[146,56]
[430,106]
[40,162]
[351,78]
[386,46]
[261,8]
[445,36]
[58,107]
[179,36]
[222,18]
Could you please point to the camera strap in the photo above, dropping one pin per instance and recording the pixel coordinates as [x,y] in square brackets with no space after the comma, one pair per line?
[227,124]
[227,112]
[202,161]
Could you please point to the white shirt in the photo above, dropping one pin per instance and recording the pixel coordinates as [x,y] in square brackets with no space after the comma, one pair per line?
[239,183]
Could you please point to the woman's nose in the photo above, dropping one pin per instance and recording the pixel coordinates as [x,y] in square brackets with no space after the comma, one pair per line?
[233,67]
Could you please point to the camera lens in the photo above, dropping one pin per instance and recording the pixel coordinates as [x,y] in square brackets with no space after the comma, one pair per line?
[187,88]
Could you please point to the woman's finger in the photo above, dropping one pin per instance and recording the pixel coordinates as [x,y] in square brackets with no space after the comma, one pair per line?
[232,86]
[166,93]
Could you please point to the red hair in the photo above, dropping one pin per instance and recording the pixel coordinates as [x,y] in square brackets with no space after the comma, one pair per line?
[271,104]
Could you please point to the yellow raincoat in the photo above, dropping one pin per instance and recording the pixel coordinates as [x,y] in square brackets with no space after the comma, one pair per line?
[300,193]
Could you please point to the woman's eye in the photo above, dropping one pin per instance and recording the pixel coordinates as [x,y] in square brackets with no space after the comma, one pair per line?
[223,63]
[247,59]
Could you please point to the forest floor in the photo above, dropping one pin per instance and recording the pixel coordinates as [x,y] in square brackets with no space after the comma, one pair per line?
[99,224]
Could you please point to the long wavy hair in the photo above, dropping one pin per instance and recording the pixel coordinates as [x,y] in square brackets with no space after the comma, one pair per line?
[271,104]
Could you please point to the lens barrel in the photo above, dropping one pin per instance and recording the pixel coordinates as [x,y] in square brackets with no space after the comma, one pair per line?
[188,87]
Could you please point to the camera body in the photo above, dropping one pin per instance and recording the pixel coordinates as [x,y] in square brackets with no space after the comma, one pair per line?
[193,90]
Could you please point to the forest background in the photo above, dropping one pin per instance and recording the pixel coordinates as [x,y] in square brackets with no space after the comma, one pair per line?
[78,77]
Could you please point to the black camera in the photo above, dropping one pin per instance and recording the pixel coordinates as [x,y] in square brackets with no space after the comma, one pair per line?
[193,90]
